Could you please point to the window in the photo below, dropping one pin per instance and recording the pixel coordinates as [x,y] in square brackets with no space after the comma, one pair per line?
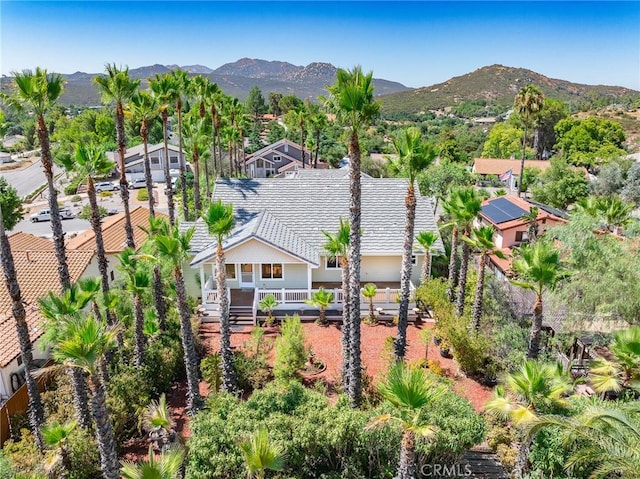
[173,159]
[277,159]
[271,271]
[230,271]
[155,160]
[333,263]
[521,236]
[413,259]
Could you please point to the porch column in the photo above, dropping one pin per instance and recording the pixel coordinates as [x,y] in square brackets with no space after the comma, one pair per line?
[309,280]
[202,284]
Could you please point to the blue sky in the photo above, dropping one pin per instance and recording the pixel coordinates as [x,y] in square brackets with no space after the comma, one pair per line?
[418,43]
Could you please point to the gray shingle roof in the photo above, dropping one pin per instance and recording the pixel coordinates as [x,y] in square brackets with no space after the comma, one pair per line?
[201,239]
[267,228]
[308,206]
[319,173]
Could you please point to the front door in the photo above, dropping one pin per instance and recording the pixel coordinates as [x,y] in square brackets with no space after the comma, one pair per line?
[246,276]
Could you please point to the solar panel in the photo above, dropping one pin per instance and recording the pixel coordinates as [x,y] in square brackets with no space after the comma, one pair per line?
[501,210]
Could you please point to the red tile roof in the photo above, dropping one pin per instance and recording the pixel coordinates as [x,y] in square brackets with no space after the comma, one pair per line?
[525,205]
[497,166]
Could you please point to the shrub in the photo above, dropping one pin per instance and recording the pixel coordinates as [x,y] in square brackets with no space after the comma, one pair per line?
[72,187]
[23,453]
[291,350]
[76,199]
[253,372]
[6,468]
[85,213]
[499,435]
[211,369]
[142,195]
[106,194]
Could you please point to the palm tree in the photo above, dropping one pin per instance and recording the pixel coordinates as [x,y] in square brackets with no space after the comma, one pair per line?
[164,89]
[532,223]
[414,156]
[174,247]
[450,207]
[527,103]
[369,291]
[321,299]
[117,86]
[623,369]
[427,240]
[538,266]
[137,282]
[38,91]
[469,205]
[410,391]
[317,123]
[351,99]
[181,84]
[83,344]
[261,455]
[337,248]
[607,439]
[57,436]
[202,91]
[616,213]
[535,389]
[158,226]
[143,108]
[481,240]
[195,143]
[58,310]
[88,163]
[36,409]
[167,466]
[220,222]
[267,305]
[157,421]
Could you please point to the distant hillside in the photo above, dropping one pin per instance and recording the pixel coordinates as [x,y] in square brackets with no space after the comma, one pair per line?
[497,84]
[235,79]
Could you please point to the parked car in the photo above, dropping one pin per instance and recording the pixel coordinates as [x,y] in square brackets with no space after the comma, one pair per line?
[137,183]
[106,186]
[45,215]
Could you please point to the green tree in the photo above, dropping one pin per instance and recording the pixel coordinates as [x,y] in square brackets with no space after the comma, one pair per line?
[545,138]
[36,409]
[291,352]
[337,248]
[537,267]
[11,205]
[623,369]
[561,186]
[321,299]
[220,222]
[527,103]
[481,240]
[260,455]
[504,141]
[351,99]
[427,240]
[255,103]
[39,91]
[274,103]
[439,179]
[118,87]
[410,391]
[195,144]
[414,156]
[174,247]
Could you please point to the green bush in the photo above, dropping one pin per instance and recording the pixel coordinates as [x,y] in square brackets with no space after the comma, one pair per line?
[142,195]
[6,468]
[76,199]
[85,213]
[23,453]
[72,187]
[291,350]
[106,194]
[320,440]
[253,372]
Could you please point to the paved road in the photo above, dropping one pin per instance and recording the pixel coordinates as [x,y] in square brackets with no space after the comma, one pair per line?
[27,180]
[43,228]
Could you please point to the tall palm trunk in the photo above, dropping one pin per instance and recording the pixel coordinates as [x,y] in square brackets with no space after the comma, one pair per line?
[183,179]
[522,459]
[80,397]
[196,181]
[536,329]
[104,432]
[462,278]
[36,410]
[407,466]
[194,400]
[346,319]
[216,170]
[524,151]
[147,167]
[405,277]
[229,381]
[124,187]
[477,302]
[302,143]
[453,265]
[315,161]
[167,175]
[426,267]
[103,263]
[158,298]
[56,222]
[138,333]
[355,366]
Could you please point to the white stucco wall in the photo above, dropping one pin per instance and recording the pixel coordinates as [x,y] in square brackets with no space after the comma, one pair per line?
[322,274]
[5,373]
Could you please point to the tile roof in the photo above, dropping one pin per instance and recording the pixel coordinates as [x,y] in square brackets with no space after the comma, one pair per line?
[136,152]
[201,239]
[113,232]
[306,207]
[21,241]
[37,272]
[319,173]
[267,228]
[497,166]
[543,214]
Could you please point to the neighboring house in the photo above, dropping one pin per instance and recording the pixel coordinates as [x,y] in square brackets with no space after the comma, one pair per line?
[279,157]
[506,215]
[114,236]
[277,244]
[508,171]
[37,271]
[134,161]
[5,157]
[308,174]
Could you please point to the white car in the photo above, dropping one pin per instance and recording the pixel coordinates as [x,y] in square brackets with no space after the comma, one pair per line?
[137,183]
[45,215]
[107,186]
